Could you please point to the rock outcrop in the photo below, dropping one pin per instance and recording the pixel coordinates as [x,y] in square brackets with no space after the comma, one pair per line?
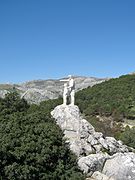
[121,166]
[95,153]
[3,93]
[99,176]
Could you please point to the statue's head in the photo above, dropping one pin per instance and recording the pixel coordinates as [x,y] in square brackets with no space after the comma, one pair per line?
[70,76]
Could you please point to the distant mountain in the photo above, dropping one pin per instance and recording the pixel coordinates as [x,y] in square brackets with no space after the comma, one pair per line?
[40,90]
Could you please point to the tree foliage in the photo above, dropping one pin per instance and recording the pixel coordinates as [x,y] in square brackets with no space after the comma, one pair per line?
[31,144]
[128,136]
[115,97]
[12,103]
[106,105]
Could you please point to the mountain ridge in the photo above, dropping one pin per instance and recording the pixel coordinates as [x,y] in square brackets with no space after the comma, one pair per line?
[39,90]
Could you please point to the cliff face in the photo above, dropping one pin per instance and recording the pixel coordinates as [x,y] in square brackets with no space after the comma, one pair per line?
[94,151]
[40,90]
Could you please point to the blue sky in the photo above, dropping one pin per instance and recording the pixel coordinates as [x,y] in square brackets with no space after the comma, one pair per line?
[42,39]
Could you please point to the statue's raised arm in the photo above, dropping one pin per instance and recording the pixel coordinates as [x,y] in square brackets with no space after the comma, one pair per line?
[64,80]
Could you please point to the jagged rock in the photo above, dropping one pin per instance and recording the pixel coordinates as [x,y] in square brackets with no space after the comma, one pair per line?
[95,152]
[67,117]
[115,146]
[81,134]
[102,141]
[92,162]
[100,176]
[75,128]
[120,166]
[3,93]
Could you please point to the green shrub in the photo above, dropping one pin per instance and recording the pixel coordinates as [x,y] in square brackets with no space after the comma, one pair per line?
[31,144]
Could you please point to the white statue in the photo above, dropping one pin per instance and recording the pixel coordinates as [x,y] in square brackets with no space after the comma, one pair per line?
[70,89]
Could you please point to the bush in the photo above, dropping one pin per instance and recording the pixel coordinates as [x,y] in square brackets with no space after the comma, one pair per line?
[128,136]
[32,145]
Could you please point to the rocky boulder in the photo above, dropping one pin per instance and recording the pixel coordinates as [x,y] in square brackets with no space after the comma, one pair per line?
[3,93]
[99,176]
[121,166]
[93,162]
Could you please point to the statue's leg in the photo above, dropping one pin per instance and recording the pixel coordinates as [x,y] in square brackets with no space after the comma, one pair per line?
[64,99]
[72,94]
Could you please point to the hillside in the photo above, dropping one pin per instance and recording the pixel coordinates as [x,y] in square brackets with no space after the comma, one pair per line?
[110,104]
[40,90]
[115,97]
[33,146]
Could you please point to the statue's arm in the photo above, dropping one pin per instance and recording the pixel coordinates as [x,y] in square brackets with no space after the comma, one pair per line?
[64,80]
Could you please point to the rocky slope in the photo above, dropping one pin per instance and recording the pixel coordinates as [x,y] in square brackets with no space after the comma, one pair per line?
[39,90]
[98,156]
